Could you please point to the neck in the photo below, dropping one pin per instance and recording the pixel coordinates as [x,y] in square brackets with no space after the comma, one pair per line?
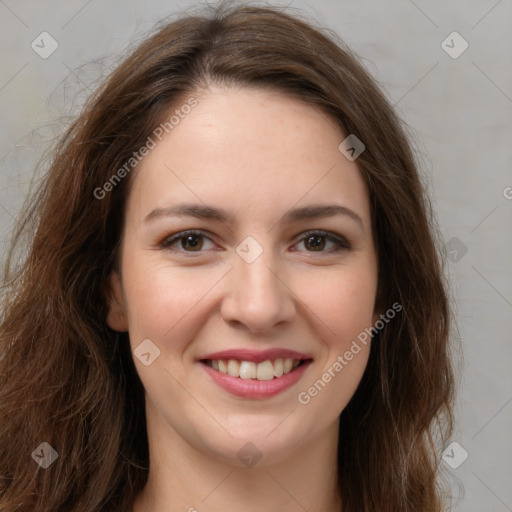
[184,478]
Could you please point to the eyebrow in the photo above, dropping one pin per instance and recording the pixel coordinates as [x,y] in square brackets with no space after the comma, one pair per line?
[202,211]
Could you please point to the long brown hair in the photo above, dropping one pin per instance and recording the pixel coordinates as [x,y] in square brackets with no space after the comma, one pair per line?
[69,380]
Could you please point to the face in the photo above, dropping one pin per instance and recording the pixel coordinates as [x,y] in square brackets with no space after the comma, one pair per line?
[275,263]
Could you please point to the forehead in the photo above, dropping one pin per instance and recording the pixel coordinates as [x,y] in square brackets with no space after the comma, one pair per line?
[252,150]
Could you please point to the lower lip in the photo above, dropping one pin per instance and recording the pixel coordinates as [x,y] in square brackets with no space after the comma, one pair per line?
[253,388]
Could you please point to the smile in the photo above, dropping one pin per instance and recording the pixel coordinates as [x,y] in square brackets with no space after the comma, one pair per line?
[251,380]
[266,370]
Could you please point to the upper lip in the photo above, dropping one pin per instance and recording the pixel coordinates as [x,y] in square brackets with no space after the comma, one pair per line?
[256,356]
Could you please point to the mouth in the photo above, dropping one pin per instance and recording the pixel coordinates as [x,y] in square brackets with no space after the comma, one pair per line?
[269,369]
[255,380]
[251,374]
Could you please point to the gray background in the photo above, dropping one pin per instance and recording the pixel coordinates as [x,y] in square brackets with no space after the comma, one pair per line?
[459,111]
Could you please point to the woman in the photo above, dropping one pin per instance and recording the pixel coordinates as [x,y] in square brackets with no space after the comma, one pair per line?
[233,296]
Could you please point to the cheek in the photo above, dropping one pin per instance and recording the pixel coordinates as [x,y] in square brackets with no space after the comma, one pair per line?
[343,302]
[164,301]
[345,309]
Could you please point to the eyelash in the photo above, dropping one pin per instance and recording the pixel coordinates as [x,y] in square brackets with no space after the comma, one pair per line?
[341,242]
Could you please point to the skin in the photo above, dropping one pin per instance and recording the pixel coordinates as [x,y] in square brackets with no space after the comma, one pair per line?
[257,154]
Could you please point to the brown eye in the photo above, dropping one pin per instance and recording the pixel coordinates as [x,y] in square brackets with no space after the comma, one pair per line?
[191,242]
[316,241]
[187,241]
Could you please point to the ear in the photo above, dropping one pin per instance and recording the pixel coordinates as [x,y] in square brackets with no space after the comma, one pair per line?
[116,315]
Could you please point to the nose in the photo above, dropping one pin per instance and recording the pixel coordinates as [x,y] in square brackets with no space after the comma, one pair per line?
[257,295]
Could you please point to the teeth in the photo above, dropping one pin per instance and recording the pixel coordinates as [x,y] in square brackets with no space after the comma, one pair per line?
[266,370]
[223,367]
[234,368]
[278,368]
[247,370]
